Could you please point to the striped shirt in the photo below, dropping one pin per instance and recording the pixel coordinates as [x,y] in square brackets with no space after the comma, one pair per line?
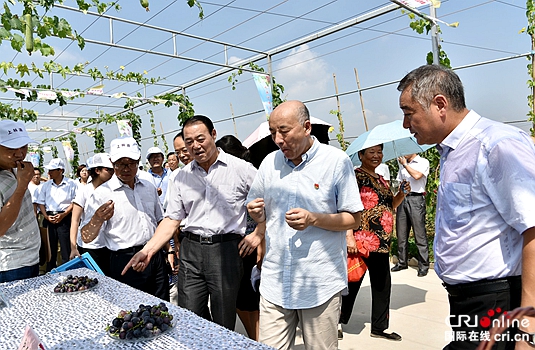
[19,247]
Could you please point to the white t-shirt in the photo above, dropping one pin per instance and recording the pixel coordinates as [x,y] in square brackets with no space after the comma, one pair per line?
[384,171]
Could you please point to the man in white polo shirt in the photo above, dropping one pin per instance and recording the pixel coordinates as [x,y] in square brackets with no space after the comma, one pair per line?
[55,202]
[19,233]
[126,210]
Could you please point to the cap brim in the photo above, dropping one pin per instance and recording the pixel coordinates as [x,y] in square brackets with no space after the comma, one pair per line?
[116,157]
[18,142]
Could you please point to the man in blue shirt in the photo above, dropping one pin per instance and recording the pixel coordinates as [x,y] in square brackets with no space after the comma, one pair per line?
[308,196]
[485,227]
[160,175]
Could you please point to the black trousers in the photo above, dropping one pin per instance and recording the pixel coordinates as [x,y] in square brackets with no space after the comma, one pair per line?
[210,270]
[101,257]
[477,306]
[153,280]
[381,286]
[59,233]
[411,213]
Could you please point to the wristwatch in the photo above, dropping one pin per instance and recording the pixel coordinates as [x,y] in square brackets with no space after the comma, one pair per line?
[530,340]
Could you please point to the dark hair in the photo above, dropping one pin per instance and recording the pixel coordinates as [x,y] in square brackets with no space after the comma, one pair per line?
[361,152]
[93,172]
[199,119]
[180,134]
[230,144]
[170,154]
[430,80]
[79,169]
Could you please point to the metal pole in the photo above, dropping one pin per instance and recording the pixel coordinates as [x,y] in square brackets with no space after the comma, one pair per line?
[434,35]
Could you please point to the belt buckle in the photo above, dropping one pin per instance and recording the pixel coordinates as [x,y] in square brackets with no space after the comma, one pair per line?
[206,240]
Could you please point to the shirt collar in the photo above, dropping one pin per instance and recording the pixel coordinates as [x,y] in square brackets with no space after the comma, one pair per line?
[156,175]
[458,134]
[63,181]
[115,183]
[307,155]
[221,157]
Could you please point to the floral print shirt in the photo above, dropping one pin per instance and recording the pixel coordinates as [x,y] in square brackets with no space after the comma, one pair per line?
[377,216]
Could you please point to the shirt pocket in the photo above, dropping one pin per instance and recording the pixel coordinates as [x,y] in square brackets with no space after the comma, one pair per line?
[458,204]
[227,194]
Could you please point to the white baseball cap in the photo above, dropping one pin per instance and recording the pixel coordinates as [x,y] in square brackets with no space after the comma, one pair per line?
[13,134]
[154,150]
[100,160]
[55,163]
[124,147]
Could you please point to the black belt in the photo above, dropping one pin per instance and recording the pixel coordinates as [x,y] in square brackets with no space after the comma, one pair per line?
[212,239]
[415,194]
[54,212]
[131,250]
[482,287]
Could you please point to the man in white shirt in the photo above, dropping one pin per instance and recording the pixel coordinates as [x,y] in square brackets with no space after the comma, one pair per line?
[55,202]
[126,210]
[411,212]
[307,195]
[485,227]
[210,193]
[19,233]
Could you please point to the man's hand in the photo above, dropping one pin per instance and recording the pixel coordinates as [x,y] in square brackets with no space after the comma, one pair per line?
[249,243]
[351,243]
[74,254]
[256,210]
[299,219]
[159,189]
[105,211]
[139,262]
[59,217]
[24,173]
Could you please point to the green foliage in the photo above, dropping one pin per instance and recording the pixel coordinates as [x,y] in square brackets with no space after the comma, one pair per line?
[74,145]
[340,136]
[54,151]
[153,128]
[276,89]
[419,25]
[185,106]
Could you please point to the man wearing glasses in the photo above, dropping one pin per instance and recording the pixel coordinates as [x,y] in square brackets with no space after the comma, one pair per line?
[129,225]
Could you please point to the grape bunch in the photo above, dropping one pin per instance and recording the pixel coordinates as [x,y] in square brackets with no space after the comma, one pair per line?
[146,322]
[75,284]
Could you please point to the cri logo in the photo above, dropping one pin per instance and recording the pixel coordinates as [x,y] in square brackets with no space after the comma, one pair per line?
[485,321]
[472,321]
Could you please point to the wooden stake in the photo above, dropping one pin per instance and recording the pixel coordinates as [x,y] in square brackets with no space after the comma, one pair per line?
[361,100]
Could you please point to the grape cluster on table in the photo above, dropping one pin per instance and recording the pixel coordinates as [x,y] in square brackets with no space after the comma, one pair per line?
[146,322]
[75,284]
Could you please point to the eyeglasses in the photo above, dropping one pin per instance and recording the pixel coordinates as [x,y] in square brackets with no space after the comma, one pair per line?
[123,166]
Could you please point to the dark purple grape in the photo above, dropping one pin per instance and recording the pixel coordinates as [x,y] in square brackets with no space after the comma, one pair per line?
[117,322]
[135,320]
[164,327]
[137,333]
[146,333]
[127,317]
[166,320]
[149,325]
[164,309]
[145,313]
[129,334]
[122,334]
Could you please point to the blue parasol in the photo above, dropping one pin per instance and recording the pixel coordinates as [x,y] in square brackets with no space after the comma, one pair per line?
[396,141]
